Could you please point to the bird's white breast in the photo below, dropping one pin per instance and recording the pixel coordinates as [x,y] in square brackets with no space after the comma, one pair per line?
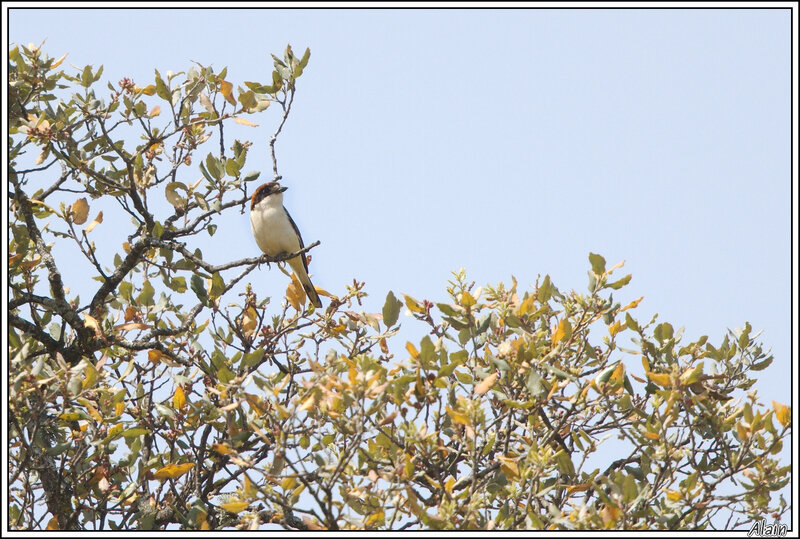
[271,227]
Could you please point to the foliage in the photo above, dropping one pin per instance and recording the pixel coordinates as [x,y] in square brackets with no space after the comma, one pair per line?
[167,400]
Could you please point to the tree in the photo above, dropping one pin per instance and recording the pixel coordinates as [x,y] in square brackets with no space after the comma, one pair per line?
[175,397]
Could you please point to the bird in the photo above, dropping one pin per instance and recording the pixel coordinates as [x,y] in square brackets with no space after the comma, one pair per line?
[276,233]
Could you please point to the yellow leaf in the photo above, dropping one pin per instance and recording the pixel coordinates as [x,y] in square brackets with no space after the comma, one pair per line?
[527,305]
[179,398]
[652,435]
[615,328]
[249,321]
[692,375]
[91,322]
[52,524]
[130,325]
[564,330]
[308,404]
[235,507]
[245,122]
[509,467]
[632,304]
[119,408]
[222,449]
[80,211]
[155,356]
[412,350]
[659,378]
[618,374]
[742,430]
[645,364]
[97,221]
[782,413]
[457,417]
[413,305]
[673,495]
[172,471]
[295,294]
[467,300]
[155,111]
[226,88]
[150,89]
[58,62]
[486,385]
[250,489]
[616,266]
[205,525]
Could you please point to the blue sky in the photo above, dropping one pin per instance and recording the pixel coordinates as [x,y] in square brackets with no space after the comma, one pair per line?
[505,141]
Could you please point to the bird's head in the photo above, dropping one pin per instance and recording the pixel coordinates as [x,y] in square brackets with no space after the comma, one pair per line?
[265,190]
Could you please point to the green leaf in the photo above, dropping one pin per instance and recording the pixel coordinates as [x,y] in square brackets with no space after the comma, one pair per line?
[214,167]
[598,263]
[86,77]
[198,287]
[251,176]
[146,295]
[217,285]
[225,375]
[391,309]
[178,284]
[622,282]
[232,168]
[126,290]
[427,354]
[161,89]
[534,383]
[253,358]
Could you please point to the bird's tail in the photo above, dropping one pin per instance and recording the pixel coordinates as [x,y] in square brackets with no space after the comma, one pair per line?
[302,275]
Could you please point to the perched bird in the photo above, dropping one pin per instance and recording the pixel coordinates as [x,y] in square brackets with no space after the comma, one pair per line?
[276,233]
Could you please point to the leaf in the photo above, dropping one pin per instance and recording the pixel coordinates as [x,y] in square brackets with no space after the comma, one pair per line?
[782,413]
[146,295]
[412,350]
[97,221]
[155,111]
[58,62]
[295,294]
[457,417]
[91,322]
[486,385]
[660,378]
[179,398]
[80,211]
[509,467]
[206,102]
[563,331]
[244,121]
[149,90]
[226,89]
[199,290]
[413,305]
[391,309]
[598,264]
[171,192]
[172,471]
[616,285]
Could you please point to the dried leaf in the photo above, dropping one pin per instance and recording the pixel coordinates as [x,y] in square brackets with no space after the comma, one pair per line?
[486,385]
[80,211]
[245,122]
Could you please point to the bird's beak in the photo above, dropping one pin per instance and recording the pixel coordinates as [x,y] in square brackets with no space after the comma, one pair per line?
[281,189]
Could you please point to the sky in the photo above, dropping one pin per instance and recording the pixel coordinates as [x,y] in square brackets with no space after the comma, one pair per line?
[507,142]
